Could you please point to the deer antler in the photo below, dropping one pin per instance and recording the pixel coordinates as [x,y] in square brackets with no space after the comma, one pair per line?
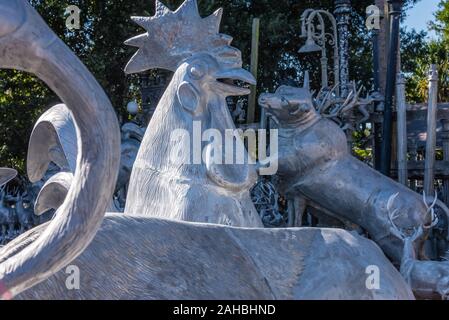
[324,104]
[352,100]
[393,215]
[430,209]
[320,94]
[331,106]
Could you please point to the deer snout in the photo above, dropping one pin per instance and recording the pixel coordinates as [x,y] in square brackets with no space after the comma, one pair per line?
[265,100]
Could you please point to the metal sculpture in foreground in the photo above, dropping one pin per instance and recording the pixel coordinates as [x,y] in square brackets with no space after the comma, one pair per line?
[28,44]
[204,64]
[314,163]
[144,257]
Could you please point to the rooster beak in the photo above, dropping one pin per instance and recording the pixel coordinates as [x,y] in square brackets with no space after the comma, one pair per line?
[232,75]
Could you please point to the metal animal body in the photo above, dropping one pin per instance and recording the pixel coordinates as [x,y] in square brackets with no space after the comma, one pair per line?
[429,279]
[191,189]
[137,257]
[143,257]
[314,162]
[320,168]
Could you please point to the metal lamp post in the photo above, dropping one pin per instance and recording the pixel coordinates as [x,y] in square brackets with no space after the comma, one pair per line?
[317,38]
[387,131]
[431,138]
[342,13]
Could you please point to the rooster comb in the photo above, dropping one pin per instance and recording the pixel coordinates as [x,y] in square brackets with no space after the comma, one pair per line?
[173,36]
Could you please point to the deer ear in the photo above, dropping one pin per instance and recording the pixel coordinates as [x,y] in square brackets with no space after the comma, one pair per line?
[306,80]
[297,108]
[188,96]
[293,107]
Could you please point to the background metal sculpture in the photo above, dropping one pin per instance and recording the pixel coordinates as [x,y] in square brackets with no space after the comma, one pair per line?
[147,258]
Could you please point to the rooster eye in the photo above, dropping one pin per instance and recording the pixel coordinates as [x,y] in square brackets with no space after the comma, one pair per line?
[196,71]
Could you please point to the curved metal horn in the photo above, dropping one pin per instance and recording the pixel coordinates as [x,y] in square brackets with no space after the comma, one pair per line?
[26,43]
[53,192]
[53,139]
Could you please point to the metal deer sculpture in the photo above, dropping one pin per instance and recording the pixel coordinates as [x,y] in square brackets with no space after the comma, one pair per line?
[144,257]
[314,163]
[429,279]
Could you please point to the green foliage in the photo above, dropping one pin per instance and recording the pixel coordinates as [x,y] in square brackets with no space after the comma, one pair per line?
[22,98]
[361,138]
[417,84]
[419,54]
[441,25]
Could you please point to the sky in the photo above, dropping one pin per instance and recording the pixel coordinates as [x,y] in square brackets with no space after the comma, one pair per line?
[421,14]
